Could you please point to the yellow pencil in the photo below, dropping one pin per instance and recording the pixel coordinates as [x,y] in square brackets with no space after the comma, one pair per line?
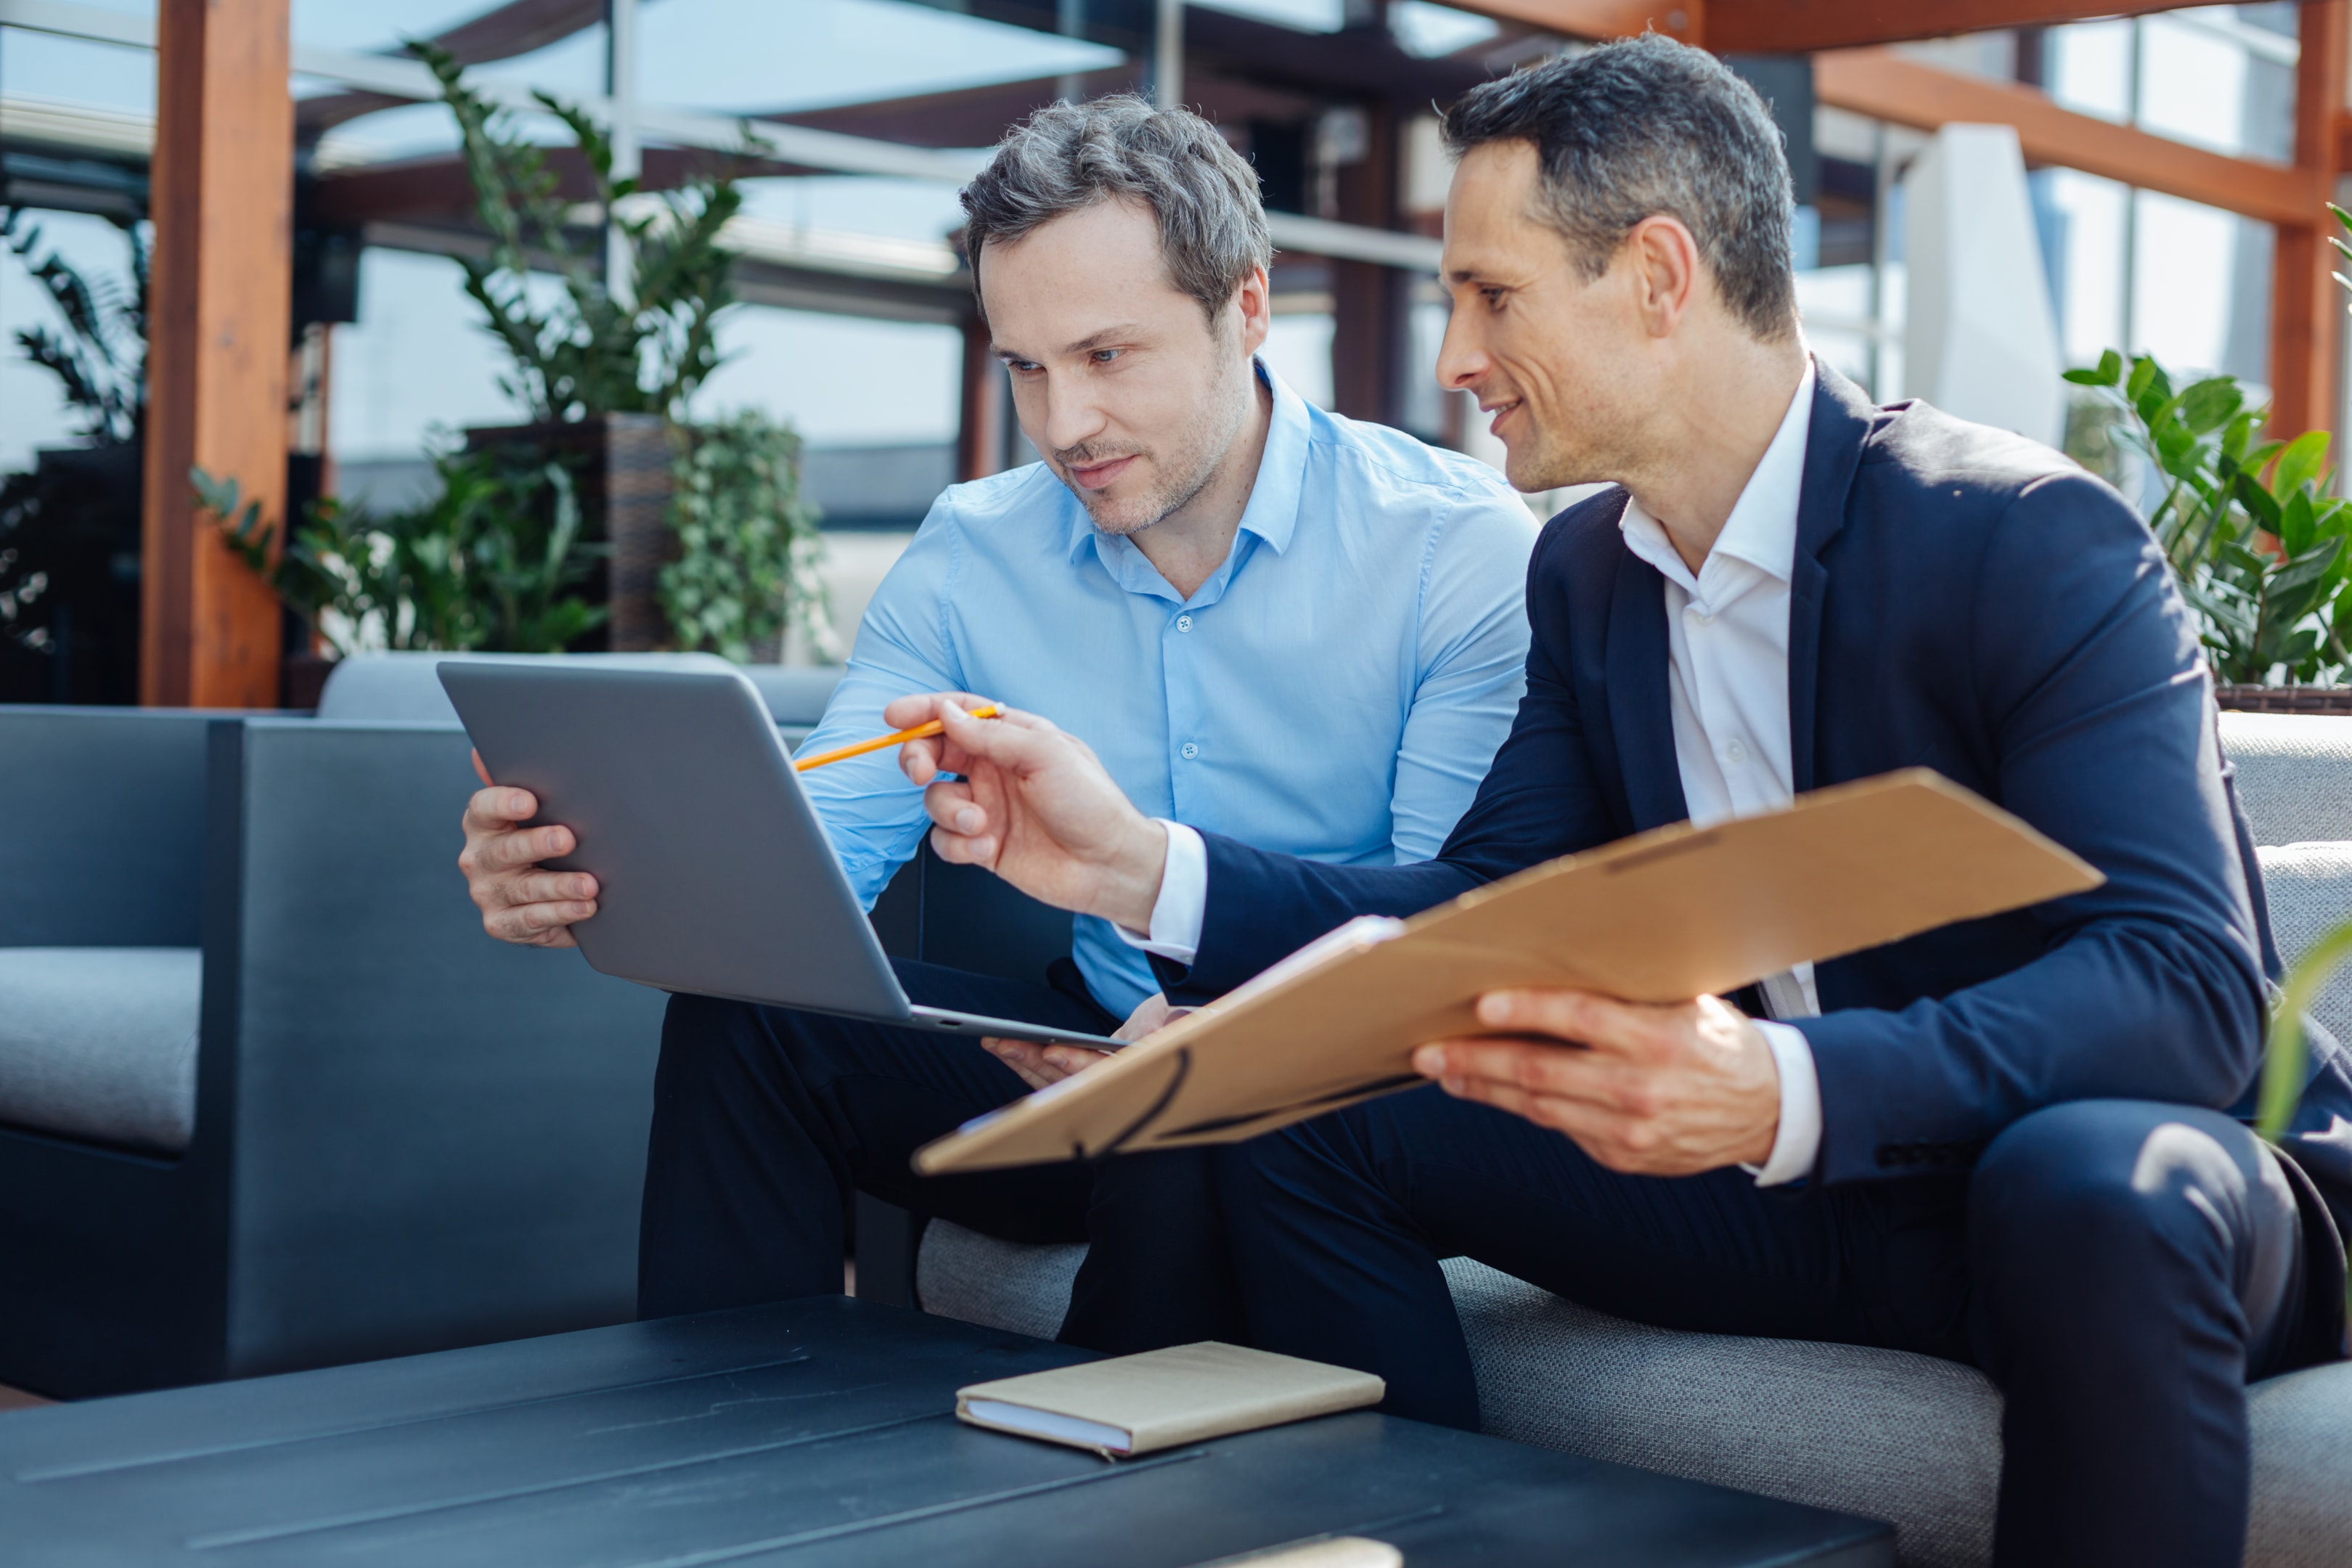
[920,731]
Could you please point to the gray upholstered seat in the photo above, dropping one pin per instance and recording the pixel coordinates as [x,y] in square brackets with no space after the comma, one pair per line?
[100,1043]
[2295,774]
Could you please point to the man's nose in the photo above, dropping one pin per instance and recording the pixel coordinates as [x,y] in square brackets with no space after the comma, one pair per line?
[1462,362]
[1072,417]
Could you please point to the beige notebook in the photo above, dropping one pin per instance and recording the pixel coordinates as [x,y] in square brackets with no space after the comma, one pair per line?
[1660,917]
[1134,1404]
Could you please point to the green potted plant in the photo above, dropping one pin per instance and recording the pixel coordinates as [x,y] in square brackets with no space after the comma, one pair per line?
[599,371]
[2258,546]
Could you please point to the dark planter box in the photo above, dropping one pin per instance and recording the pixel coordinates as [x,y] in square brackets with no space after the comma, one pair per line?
[621,463]
[2284,699]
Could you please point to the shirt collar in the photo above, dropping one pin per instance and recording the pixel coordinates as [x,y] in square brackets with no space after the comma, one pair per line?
[1762,528]
[1273,510]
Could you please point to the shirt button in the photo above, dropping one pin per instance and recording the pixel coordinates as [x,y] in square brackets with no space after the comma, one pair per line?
[1188,751]
[1737,753]
[1183,623]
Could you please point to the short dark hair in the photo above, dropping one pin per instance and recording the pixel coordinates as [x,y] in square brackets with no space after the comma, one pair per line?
[1647,126]
[1070,156]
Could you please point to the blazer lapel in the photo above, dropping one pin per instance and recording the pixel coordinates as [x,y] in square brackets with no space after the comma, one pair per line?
[1640,711]
[1842,421]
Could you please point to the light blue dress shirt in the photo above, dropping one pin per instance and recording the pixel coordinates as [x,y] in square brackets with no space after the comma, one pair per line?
[1336,689]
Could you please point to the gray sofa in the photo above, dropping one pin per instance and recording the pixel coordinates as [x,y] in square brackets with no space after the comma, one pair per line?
[268,1098]
[1880,1433]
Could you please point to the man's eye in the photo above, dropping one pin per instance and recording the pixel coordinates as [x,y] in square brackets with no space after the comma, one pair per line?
[1493,297]
[1023,366]
[1104,356]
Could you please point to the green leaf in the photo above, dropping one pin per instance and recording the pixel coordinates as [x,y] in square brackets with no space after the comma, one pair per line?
[2209,404]
[2301,463]
[2108,371]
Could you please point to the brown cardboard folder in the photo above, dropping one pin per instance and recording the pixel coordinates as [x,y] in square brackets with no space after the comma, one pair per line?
[1660,916]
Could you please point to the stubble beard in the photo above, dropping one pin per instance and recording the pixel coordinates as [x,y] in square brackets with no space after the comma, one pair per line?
[1193,456]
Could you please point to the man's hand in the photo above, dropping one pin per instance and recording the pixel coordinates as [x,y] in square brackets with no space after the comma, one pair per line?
[1652,1091]
[1041,1065]
[1034,806]
[520,902]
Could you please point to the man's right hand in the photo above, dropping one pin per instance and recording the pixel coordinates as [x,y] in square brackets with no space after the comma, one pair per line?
[520,901]
[1034,805]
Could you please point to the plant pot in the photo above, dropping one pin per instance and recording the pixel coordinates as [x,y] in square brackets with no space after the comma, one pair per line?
[2284,699]
[621,463]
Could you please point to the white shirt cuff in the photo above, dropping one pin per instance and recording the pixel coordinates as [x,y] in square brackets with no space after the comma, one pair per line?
[1184,899]
[1799,1139]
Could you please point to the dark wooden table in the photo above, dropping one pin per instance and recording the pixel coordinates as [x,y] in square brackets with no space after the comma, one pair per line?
[806,1433]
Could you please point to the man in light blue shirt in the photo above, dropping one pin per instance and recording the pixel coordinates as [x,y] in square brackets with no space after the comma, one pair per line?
[1305,632]
[1334,689]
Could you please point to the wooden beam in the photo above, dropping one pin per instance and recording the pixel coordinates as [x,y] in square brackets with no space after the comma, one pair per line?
[1886,86]
[1804,26]
[1797,26]
[2307,305]
[1684,19]
[224,204]
[985,412]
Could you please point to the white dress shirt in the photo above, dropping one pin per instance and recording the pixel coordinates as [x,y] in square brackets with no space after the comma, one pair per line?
[1727,685]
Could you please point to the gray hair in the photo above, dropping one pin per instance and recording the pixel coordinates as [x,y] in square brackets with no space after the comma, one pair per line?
[1645,127]
[1070,156]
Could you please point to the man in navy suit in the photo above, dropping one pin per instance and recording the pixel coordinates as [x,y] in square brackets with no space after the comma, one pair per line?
[2004,1142]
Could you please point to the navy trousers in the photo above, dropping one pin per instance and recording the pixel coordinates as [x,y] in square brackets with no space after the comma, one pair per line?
[765,1119]
[2121,1269]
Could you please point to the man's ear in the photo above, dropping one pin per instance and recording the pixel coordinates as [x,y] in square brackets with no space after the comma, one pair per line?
[1253,299]
[1666,277]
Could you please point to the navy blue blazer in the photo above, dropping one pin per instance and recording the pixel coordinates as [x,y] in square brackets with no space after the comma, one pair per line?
[1964,600]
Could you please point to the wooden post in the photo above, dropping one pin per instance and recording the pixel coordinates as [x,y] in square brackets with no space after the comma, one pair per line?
[1369,301]
[980,435]
[223,183]
[2307,304]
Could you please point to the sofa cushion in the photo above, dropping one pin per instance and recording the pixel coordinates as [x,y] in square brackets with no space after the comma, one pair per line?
[2295,774]
[2309,889]
[100,1042]
[1883,1433]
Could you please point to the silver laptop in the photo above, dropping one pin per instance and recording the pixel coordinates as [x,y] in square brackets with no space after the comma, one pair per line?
[716,878]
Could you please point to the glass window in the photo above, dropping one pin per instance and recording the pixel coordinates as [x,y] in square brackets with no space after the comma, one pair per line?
[2192,84]
[2084,240]
[2089,68]
[2185,271]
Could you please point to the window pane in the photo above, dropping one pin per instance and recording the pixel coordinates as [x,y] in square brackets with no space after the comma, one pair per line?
[2193,85]
[2087,245]
[2090,67]
[2184,272]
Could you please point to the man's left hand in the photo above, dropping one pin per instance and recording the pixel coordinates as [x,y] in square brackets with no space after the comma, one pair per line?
[1652,1091]
[1040,1065]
